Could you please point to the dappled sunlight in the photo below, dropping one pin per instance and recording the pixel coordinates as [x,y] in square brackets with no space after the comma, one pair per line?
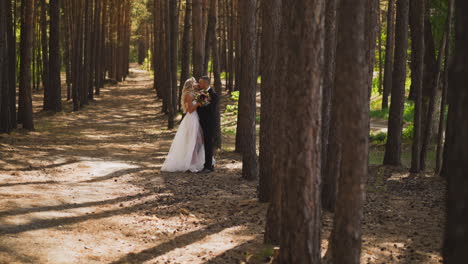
[86,187]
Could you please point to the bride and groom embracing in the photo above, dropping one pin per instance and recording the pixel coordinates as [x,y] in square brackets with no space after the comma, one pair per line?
[192,148]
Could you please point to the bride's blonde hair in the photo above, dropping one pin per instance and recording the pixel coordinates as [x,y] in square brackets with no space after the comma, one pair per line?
[188,88]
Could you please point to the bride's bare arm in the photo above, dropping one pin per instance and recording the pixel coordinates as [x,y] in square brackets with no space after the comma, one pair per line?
[188,103]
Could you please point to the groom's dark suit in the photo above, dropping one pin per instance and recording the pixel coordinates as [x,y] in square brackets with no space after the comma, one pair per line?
[207,115]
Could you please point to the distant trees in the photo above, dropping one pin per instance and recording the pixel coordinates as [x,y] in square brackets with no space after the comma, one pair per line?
[389,53]
[417,51]
[395,121]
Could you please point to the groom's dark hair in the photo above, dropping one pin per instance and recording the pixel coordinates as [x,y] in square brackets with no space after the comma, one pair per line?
[206,78]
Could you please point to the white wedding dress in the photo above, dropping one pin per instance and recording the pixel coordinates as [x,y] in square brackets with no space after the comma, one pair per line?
[187,151]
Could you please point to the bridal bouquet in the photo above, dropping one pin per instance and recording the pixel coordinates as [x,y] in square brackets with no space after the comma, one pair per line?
[203,98]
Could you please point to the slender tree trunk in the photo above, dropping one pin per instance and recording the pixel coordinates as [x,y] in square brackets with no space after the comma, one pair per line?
[371,39]
[417,40]
[440,136]
[11,36]
[389,53]
[329,179]
[48,104]
[432,104]
[55,85]
[271,146]
[174,40]
[26,111]
[213,21]
[247,100]
[353,118]
[198,38]
[5,117]
[456,228]
[271,24]
[185,47]
[395,121]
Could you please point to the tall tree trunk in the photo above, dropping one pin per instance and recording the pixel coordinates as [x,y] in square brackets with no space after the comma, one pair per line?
[329,157]
[174,41]
[5,117]
[302,44]
[48,104]
[440,135]
[55,85]
[213,21]
[371,40]
[25,111]
[198,38]
[428,131]
[231,68]
[11,36]
[7,68]
[417,51]
[247,99]
[389,53]
[270,188]
[456,228]
[271,24]
[185,47]
[353,117]
[395,120]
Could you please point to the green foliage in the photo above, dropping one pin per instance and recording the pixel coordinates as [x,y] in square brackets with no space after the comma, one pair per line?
[234,108]
[147,62]
[235,96]
[408,133]
[408,114]
[378,138]
[379,113]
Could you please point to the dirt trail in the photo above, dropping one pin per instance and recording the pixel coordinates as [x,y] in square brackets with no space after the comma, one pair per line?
[85,187]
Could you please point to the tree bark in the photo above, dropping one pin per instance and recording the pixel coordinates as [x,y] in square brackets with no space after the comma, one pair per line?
[428,131]
[456,228]
[302,44]
[198,39]
[389,53]
[395,121]
[247,100]
[417,40]
[25,112]
[55,85]
[353,117]
[213,21]
[442,126]
[48,103]
[271,24]
[185,47]
[329,151]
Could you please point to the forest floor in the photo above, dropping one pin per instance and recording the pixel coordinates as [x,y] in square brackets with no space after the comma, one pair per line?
[85,187]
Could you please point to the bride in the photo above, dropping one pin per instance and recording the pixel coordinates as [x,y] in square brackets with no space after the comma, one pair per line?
[187,151]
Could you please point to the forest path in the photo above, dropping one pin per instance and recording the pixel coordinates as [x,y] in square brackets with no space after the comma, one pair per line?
[85,187]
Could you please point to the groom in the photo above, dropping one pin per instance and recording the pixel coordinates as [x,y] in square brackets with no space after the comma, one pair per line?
[207,115]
